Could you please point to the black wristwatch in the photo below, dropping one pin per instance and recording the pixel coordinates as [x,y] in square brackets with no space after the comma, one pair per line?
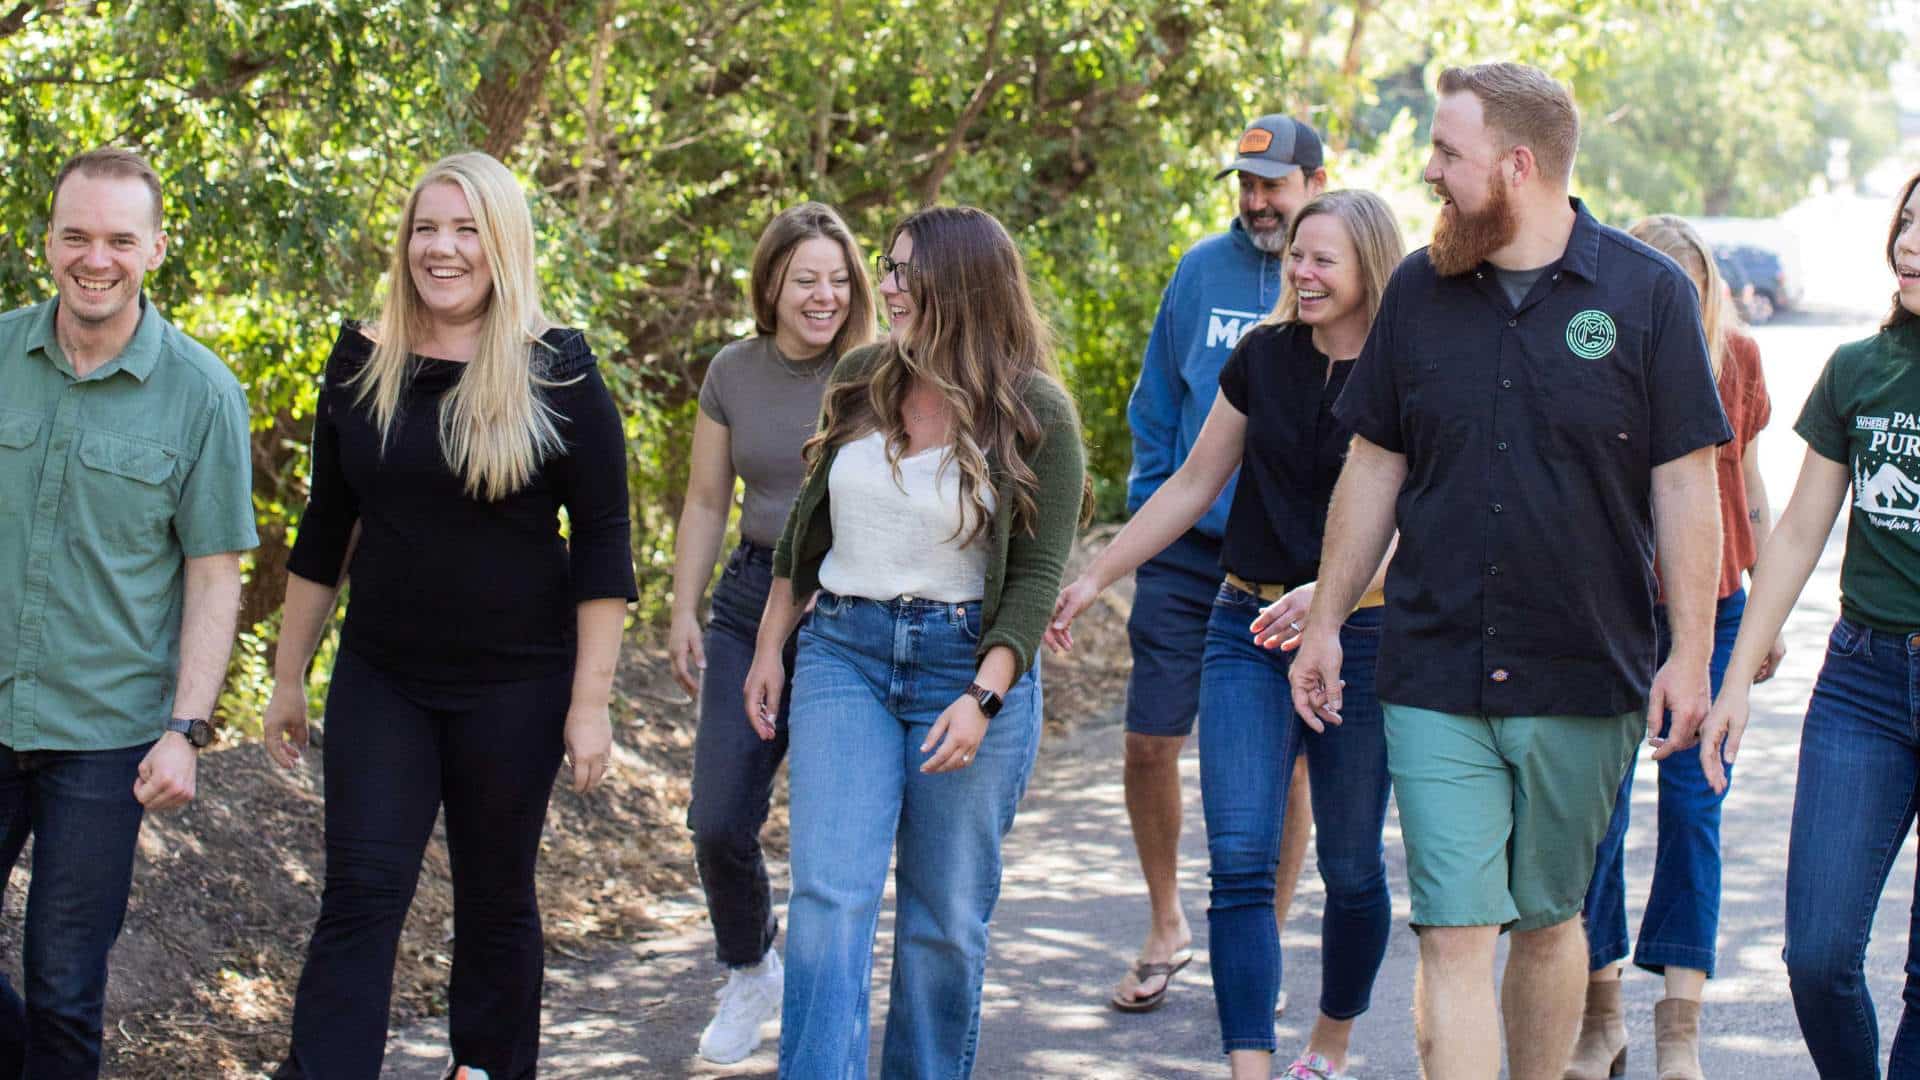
[198,732]
[990,702]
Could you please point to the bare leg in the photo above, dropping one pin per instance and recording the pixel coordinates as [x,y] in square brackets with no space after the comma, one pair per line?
[1293,842]
[1330,1039]
[1611,973]
[1250,1065]
[1456,1017]
[1541,999]
[1152,781]
[1684,983]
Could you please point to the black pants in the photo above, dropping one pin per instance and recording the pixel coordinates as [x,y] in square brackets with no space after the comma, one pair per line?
[395,752]
[732,769]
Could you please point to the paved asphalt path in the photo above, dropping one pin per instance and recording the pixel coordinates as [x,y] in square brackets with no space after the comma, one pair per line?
[1072,912]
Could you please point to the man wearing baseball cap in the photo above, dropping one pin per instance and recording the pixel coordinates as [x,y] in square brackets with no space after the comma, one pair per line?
[1223,286]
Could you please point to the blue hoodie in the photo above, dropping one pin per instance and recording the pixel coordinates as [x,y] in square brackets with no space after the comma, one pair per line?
[1221,289]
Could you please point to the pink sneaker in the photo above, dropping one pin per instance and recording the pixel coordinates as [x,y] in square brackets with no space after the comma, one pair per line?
[1311,1066]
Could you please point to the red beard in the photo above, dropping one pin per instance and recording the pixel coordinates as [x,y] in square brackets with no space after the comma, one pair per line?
[1462,241]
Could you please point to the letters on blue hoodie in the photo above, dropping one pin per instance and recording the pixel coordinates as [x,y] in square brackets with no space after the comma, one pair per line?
[1221,289]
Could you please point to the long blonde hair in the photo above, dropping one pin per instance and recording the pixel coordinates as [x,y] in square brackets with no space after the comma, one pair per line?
[977,337]
[1673,237]
[495,425]
[1376,241]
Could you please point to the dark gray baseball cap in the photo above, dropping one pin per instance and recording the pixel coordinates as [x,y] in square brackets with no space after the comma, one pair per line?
[1275,145]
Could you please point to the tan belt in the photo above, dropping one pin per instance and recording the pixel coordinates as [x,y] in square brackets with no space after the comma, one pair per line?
[1269,593]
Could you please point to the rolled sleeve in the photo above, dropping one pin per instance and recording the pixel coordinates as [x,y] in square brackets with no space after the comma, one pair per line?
[592,480]
[215,512]
[1684,407]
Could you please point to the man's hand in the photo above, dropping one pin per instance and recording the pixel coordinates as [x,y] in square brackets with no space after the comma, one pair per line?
[589,741]
[1315,676]
[1681,688]
[167,773]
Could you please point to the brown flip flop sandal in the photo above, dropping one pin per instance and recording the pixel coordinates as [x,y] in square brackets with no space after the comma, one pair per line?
[1142,971]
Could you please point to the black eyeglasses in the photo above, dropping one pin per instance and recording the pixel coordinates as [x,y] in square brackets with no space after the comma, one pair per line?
[888,266]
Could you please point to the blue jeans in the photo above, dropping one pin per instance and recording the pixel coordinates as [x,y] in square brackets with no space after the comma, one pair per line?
[1248,743]
[80,809]
[733,769]
[1852,809]
[871,680]
[1682,920]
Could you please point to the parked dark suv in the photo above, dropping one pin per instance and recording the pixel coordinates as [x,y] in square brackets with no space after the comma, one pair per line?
[1764,269]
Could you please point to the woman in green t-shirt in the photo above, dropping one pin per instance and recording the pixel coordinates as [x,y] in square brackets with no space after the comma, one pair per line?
[1859,781]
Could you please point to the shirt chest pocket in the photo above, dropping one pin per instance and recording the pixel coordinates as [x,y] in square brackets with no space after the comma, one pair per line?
[19,461]
[124,487]
[1602,410]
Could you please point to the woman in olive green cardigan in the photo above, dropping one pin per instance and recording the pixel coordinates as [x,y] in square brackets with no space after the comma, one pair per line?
[944,489]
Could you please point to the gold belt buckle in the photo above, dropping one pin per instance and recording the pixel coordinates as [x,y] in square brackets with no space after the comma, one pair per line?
[1266,593]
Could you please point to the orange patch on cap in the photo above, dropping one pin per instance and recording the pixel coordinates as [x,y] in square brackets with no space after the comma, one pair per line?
[1256,141]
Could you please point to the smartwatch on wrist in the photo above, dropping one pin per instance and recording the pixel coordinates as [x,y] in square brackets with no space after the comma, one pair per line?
[199,733]
[989,701]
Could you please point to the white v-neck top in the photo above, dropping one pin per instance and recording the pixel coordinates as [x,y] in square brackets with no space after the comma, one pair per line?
[901,536]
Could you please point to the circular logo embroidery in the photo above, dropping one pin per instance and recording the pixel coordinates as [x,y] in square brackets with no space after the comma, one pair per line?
[1591,334]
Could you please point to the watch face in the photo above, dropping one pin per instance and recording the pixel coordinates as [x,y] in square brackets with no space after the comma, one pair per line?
[200,733]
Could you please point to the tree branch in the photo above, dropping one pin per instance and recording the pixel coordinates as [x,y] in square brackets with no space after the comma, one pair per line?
[992,80]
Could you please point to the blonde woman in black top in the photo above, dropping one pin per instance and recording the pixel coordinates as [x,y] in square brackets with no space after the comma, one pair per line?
[479,646]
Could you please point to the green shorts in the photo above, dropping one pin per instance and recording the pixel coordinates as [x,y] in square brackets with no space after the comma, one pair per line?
[1501,814]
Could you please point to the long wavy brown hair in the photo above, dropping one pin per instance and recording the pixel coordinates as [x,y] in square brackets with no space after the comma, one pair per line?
[1898,315]
[978,338]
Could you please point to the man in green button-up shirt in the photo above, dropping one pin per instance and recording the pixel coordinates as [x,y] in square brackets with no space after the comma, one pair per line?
[125,500]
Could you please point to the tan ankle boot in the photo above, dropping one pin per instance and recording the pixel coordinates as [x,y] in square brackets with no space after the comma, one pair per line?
[1602,1050]
[1676,1039]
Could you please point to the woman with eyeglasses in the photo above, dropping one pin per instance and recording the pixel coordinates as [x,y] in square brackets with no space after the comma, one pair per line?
[942,496]
[758,406]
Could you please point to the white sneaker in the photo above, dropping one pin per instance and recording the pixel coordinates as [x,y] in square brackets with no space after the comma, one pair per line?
[751,997]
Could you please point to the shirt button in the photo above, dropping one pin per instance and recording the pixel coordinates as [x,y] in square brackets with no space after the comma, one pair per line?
[1489,631]
[1496,508]
[1499,675]
[1499,446]
[1506,384]
[1513,322]
[1493,570]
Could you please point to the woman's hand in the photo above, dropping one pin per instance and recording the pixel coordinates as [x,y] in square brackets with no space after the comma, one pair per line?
[1771,664]
[957,734]
[1726,723]
[1280,623]
[284,726]
[589,741]
[762,691]
[1077,597]
[686,653]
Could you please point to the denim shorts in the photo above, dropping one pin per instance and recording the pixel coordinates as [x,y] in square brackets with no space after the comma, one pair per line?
[1167,631]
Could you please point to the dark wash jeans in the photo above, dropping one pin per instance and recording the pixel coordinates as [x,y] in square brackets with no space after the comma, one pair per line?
[1682,921]
[1852,809]
[395,752]
[1248,741]
[733,769]
[79,808]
